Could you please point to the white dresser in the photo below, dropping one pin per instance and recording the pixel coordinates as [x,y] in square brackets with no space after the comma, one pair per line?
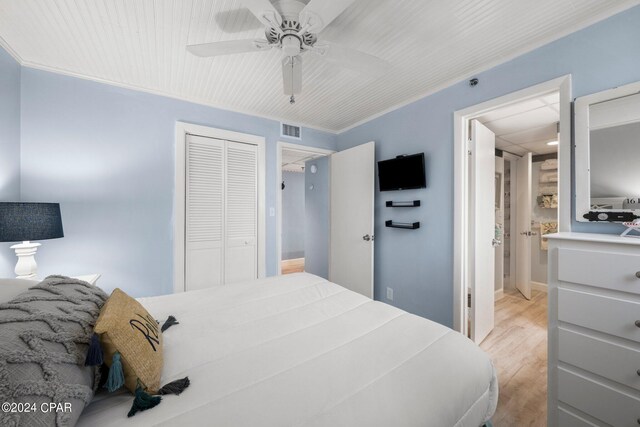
[594,330]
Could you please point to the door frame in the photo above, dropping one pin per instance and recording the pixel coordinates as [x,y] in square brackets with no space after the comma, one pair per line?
[280,147]
[461,120]
[184,129]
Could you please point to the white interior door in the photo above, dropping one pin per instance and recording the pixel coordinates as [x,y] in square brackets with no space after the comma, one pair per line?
[241,216]
[482,230]
[523,226]
[204,216]
[352,210]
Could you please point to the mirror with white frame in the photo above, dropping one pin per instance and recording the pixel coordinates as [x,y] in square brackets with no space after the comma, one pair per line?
[607,137]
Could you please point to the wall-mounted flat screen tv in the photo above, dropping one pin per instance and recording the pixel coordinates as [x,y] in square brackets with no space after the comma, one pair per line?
[402,173]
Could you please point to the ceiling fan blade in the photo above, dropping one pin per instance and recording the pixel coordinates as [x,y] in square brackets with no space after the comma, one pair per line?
[292,75]
[351,58]
[320,13]
[265,12]
[228,47]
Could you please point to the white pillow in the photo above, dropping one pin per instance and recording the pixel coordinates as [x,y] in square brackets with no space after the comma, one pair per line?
[10,288]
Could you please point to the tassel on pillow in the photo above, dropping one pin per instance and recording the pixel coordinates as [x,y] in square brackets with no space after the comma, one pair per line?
[169,323]
[143,401]
[175,387]
[115,380]
[94,355]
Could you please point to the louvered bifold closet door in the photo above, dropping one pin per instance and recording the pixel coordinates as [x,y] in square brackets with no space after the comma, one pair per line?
[241,251]
[204,234]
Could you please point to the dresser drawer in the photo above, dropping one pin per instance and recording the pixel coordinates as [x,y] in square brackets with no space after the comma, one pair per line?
[568,419]
[602,269]
[598,400]
[604,358]
[605,314]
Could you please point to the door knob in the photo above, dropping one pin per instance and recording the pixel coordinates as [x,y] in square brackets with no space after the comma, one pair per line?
[495,243]
[366,238]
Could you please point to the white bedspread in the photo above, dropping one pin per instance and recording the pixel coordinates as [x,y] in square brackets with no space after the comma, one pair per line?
[297,350]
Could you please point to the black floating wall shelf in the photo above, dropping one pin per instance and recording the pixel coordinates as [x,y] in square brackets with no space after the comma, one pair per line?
[409,204]
[405,225]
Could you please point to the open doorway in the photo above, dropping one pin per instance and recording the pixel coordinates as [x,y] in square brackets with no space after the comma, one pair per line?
[513,183]
[293,221]
[526,191]
[339,212]
[474,200]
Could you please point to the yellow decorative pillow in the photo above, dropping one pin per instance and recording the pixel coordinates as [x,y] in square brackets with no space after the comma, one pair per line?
[125,327]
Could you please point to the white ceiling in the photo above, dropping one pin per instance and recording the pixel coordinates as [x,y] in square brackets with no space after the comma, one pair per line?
[294,160]
[431,44]
[526,126]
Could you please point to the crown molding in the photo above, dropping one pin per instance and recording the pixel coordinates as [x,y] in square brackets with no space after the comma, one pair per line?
[7,47]
[622,6]
[193,100]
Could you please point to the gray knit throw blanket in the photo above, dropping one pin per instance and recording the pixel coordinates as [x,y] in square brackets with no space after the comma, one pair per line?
[44,338]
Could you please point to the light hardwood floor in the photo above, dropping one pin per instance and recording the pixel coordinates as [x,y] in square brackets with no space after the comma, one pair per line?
[518,347]
[289,266]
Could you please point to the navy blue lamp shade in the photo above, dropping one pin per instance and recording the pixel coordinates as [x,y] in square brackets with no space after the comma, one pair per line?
[21,222]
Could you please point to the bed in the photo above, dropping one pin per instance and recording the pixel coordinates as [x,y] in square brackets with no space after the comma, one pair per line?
[297,350]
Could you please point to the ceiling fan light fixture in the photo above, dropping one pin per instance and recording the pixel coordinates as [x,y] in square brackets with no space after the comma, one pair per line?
[293,26]
[291,45]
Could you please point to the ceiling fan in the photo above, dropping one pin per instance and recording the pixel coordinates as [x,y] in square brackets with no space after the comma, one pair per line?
[292,27]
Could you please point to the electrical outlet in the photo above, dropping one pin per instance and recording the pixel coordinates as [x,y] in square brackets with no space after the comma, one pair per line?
[390,294]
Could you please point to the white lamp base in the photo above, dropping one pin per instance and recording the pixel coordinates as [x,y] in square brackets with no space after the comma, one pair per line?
[26,268]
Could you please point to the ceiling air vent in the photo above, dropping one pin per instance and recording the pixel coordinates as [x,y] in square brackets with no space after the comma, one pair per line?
[290,131]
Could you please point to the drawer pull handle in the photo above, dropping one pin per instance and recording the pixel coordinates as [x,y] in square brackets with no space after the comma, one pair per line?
[638,274]
[638,323]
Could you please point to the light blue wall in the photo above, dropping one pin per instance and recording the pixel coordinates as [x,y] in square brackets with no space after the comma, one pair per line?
[9,145]
[317,204]
[107,155]
[293,215]
[418,264]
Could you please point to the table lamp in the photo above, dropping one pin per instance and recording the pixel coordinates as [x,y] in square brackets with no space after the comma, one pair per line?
[24,222]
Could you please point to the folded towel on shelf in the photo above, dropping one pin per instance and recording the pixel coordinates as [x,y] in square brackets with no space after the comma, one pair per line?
[547,228]
[549,164]
[549,176]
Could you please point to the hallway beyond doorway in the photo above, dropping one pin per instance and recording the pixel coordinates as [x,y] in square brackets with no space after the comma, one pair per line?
[289,266]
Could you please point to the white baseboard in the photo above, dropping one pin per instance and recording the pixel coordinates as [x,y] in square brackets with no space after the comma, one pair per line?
[537,286]
[499,293]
